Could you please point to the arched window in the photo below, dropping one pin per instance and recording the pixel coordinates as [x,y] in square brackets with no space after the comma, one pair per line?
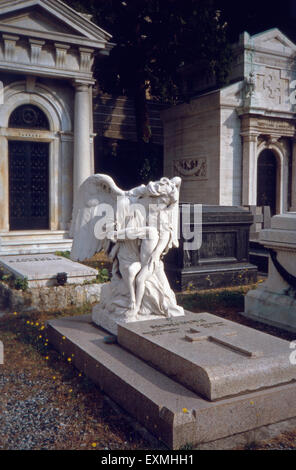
[28,116]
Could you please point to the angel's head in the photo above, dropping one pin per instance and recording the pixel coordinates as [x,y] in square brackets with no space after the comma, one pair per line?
[165,188]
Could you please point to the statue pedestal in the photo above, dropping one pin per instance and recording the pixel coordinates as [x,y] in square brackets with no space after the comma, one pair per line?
[274,302]
[158,302]
[110,322]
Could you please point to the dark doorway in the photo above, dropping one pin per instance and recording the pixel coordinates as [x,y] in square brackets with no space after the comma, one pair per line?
[267,180]
[28,185]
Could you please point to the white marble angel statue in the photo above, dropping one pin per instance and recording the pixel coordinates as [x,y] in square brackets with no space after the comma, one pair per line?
[136,229]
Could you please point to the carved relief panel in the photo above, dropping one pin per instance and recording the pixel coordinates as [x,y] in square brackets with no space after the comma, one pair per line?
[272,88]
[190,168]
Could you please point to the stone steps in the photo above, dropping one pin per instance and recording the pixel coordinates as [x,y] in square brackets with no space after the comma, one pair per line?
[28,242]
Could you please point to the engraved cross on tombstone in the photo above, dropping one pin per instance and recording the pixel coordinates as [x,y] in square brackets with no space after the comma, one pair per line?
[227,338]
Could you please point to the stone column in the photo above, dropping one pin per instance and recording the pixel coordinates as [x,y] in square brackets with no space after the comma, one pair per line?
[83,165]
[249,192]
[4,191]
[293,185]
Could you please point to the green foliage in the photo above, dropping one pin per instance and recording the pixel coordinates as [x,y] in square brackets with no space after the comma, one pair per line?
[20,283]
[5,277]
[64,254]
[103,276]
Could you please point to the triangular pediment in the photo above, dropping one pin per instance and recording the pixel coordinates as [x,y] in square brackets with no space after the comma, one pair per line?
[274,40]
[37,21]
[48,17]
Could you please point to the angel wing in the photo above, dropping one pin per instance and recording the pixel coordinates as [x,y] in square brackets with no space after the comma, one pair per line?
[96,190]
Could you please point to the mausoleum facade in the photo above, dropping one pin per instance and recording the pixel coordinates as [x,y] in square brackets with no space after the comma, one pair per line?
[236,145]
[46,120]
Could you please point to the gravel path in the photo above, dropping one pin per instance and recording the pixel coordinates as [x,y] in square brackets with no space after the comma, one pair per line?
[45,403]
[32,422]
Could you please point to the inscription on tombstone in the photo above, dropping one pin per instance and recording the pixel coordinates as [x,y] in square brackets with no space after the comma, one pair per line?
[212,356]
[42,270]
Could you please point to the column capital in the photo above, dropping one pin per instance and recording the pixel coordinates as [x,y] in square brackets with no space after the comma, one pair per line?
[10,37]
[37,42]
[249,136]
[81,85]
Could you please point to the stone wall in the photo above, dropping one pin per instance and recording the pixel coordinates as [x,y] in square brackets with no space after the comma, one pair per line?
[191,148]
[48,298]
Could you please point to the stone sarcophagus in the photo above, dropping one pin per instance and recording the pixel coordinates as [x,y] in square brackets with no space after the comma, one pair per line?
[223,257]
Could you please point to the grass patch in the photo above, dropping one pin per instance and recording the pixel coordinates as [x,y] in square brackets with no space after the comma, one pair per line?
[213,299]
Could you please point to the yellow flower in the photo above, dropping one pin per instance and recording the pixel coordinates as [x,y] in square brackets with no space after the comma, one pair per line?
[251,403]
[54,377]
[70,391]
[46,358]
[15,313]
[42,328]
[64,337]
[69,359]
[185,410]
[94,444]
[37,324]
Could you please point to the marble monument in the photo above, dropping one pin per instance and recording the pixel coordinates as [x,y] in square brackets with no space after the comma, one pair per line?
[135,228]
[274,302]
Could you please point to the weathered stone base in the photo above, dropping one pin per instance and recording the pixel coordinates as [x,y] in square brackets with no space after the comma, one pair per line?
[48,299]
[171,412]
[271,308]
[214,277]
[110,322]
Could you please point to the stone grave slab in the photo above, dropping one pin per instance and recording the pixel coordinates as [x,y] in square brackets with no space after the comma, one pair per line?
[214,357]
[42,270]
[174,414]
